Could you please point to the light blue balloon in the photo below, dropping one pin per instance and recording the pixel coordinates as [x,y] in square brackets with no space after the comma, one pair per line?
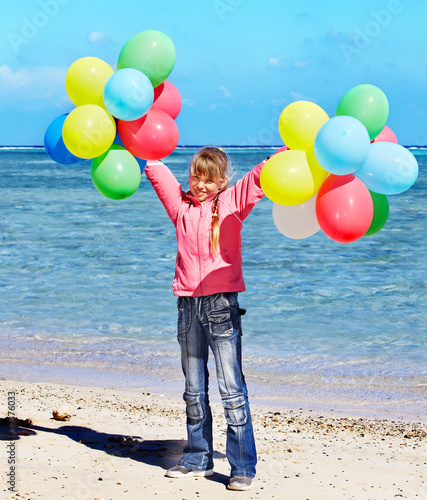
[342,145]
[389,168]
[128,94]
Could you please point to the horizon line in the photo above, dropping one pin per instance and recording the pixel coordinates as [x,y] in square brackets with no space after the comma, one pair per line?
[38,146]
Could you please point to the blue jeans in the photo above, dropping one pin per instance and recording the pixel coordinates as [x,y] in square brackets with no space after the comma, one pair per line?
[214,321]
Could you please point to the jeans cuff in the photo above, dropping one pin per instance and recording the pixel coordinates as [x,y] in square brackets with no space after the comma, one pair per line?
[194,467]
[243,473]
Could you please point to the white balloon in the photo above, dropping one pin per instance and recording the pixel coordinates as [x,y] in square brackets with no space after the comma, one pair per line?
[296,221]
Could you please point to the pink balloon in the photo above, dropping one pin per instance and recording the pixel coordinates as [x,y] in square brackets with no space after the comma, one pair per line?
[386,135]
[344,208]
[152,137]
[168,99]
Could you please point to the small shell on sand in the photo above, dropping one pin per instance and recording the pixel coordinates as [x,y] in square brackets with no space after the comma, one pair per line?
[62,412]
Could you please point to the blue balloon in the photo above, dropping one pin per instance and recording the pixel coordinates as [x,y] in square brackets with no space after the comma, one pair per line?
[118,140]
[128,94]
[54,144]
[142,163]
[342,145]
[389,168]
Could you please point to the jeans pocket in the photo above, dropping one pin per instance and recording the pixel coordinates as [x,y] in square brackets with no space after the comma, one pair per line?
[235,410]
[194,408]
[184,316]
[220,324]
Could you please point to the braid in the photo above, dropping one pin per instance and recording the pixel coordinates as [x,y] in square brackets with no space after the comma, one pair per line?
[212,162]
[215,226]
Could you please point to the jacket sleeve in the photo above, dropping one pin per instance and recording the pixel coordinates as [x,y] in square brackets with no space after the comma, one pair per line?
[247,191]
[166,186]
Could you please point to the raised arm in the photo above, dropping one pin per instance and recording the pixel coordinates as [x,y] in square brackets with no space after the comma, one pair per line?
[247,191]
[166,186]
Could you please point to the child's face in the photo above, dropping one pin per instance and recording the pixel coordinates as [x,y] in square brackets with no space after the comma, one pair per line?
[202,186]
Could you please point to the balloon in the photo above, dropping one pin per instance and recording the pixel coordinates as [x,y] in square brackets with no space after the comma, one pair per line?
[168,99]
[283,148]
[128,94]
[287,178]
[344,208]
[368,104]
[299,124]
[152,137]
[389,168]
[116,173]
[386,135]
[381,211]
[54,143]
[318,173]
[88,131]
[342,145]
[296,221]
[151,52]
[85,80]
[142,163]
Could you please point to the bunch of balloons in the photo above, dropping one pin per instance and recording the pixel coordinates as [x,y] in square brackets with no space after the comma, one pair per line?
[122,118]
[335,173]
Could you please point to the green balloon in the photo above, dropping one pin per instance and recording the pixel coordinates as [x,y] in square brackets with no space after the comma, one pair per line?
[381,211]
[368,104]
[116,173]
[151,52]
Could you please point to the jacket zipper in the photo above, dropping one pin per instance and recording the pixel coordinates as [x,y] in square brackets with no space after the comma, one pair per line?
[198,250]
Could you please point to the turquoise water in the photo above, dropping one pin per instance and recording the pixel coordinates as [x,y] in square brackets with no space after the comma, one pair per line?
[85,290]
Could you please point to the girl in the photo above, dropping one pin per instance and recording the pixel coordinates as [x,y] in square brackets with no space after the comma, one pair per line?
[208,276]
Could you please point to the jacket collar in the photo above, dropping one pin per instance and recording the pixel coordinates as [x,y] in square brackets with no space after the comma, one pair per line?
[198,202]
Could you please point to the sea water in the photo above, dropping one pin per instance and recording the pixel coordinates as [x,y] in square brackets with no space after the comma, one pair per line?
[85,292]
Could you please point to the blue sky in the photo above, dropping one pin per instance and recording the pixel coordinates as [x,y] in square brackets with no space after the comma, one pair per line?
[239,62]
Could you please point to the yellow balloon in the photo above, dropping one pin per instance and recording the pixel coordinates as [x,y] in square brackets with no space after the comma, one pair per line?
[288,179]
[85,80]
[299,124]
[318,173]
[88,131]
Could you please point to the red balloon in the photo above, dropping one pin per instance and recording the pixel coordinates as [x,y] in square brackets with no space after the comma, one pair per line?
[386,135]
[168,99]
[152,137]
[344,208]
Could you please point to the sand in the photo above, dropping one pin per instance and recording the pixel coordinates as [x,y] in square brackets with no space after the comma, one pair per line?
[118,444]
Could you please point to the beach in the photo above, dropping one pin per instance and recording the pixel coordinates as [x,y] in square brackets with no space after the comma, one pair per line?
[333,349]
[119,443]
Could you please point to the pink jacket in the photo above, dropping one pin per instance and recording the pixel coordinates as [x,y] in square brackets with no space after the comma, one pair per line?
[197,272]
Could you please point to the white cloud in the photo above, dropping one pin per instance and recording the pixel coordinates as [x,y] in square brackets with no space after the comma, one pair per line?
[187,102]
[301,64]
[297,96]
[280,102]
[226,93]
[10,80]
[31,83]
[277,62]
[98,38]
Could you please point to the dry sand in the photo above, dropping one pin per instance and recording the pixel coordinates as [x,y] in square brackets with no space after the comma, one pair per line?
[119,443]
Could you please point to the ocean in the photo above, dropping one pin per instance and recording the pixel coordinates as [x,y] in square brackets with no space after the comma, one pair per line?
[85,293]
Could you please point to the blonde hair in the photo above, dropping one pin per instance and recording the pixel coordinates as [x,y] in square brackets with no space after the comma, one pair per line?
[212,162]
